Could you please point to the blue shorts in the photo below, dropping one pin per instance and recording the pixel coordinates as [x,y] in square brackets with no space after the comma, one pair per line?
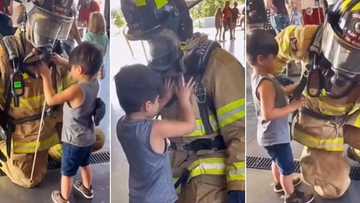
[282,155]
[73,158]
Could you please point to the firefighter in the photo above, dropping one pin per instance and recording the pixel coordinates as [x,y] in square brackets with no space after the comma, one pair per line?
[331,117]
[25,143]
[208,164]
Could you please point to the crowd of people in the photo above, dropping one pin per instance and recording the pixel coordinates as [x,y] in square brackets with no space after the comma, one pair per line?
[284,13]
[227,19]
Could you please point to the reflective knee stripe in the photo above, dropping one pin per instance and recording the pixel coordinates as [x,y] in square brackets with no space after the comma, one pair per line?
[159,3]
[29,147]
[140,3]
[209,166]
[331,144]
[236,172]
[200,129]
[231,112]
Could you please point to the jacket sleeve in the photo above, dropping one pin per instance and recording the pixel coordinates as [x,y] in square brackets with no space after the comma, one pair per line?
[4,73]
[294,43]
[226,79]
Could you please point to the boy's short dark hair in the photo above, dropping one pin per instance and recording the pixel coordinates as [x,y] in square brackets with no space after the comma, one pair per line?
[88,56]
[136,84]
[260,42]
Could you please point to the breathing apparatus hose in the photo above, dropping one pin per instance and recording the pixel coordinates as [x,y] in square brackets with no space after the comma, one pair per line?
[38,140]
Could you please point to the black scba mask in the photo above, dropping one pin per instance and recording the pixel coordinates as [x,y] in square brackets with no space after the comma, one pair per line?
[337,69]
[335,82]
[146,18]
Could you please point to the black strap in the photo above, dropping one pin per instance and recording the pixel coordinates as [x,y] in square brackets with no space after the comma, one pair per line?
[206,144]
[206,104]
[183,178]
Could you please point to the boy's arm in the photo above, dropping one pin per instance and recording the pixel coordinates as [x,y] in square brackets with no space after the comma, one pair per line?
[289,89]
[266,93]
[51,97]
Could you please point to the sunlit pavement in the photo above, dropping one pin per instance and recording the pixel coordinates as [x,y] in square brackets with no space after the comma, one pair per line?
[120,56]
[10,193]
[259,185]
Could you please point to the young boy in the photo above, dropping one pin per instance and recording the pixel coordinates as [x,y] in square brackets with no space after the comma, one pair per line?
[145,139]
[272,111]
[78,134]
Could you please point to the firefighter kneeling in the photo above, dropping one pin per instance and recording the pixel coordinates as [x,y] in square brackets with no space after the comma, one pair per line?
[27,128]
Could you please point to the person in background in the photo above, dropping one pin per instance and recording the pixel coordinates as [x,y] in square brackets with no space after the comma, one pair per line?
[96,34]
[227,19]
[235,17]
[86,7]
[6,26]
[295,15]
[279,17]
[242,17]
[218,23]
[6,7]
[19,16]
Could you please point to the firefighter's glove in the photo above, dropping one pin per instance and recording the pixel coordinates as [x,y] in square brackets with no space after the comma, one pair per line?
[99,113]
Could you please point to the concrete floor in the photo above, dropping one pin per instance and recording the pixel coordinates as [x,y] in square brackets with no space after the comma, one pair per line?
[265,194]
[10,193]
[259,189]
[119,166]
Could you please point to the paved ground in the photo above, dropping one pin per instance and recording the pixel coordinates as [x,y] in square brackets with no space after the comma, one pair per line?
[10,193]
[120,167]
[259,188]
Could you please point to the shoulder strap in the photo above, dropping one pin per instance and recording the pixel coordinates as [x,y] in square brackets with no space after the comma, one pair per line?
[205,101]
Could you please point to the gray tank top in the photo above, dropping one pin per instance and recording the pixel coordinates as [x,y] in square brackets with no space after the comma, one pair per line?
[78,125]
[275,131]
[150,179]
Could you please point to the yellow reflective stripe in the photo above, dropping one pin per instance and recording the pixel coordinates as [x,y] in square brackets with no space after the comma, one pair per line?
[231,112]
[236,172]
[161,3]
[346,4]
[29,147]
[332,144]
[208,166]
[357,122]
[30,103]
[200,129]
[140,3]
[329,109]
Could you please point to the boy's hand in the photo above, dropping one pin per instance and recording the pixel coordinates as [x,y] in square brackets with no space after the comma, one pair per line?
[298,103]
[59,60]
[185,90]
[168,89]
[42,69]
